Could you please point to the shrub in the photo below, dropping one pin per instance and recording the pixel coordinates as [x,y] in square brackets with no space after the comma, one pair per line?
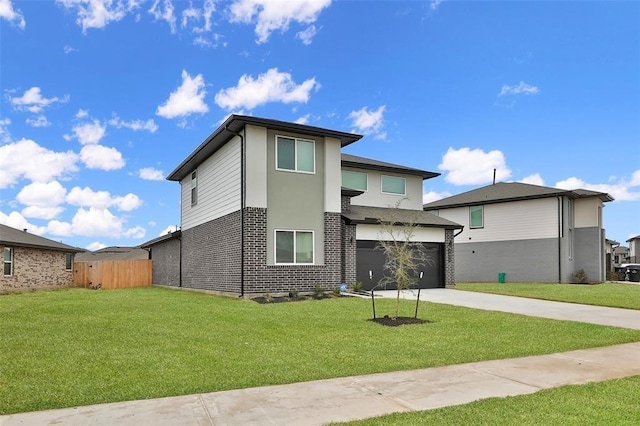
[579,277]
[357,286]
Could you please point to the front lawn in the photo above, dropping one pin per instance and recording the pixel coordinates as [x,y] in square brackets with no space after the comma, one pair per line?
[612,295]
[79,347]
[614,402]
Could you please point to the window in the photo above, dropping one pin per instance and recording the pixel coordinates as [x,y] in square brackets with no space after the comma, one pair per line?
[69,262]
[8,261]
[354,180]
[194,188]
[294,247]
[393,185]
[296,155]
[476,216]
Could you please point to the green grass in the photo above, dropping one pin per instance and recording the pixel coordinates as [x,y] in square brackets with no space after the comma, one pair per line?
[614,402]
[613,295]
[78,347]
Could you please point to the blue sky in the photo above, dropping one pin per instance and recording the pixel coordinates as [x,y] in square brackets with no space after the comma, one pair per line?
[102,99]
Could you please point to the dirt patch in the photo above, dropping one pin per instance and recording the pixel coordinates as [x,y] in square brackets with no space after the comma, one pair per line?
[395,322]
[291,298]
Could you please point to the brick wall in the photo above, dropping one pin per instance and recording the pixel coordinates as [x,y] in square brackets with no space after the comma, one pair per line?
[449,259]
[35,268]
[262,278]
[165,258]
[211,255]
[348,253]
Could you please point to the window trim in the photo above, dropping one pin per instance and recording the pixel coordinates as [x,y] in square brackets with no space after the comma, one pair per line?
[10,261]
[394,177]
[471,226]
[295,231]
[194,187]
[68,266]
[295,155]
[366,176]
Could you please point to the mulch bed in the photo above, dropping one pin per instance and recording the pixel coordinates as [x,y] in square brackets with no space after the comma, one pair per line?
[394,322]
[283,299]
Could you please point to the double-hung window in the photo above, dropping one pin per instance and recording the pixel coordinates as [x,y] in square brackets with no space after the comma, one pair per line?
[8,261]
[194,188]
[294,247]
[296,155]
[69,261]
[354,180]
[393,185]
[476,217]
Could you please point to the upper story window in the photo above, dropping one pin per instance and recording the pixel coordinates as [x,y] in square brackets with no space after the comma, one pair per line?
[194,188]
[393,185]
[354,180]
[476,217]
[296,155]
[294,247]
[69,262]
[8,261]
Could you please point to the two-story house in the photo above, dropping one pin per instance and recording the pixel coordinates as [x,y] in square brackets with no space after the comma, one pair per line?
[273,206]
[532,233]
[634,249]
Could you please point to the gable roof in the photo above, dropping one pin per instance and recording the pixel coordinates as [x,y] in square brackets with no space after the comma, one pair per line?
[375,215]
[113,253]
[511,191]
[637,237]
[14,237]
[162,238]
[234,124]
[369,164]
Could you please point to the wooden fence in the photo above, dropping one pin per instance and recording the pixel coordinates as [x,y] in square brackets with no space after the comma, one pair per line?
[110,274]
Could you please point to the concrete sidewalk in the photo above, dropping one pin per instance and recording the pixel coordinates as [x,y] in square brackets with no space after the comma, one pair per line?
[617,317]
[349,398]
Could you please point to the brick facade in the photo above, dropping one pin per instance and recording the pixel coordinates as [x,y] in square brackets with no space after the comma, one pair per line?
[165,258]
[36,269]
[449,260]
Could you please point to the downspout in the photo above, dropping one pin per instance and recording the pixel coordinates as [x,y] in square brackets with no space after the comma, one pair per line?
[180,260]
[560,225]
[242,206]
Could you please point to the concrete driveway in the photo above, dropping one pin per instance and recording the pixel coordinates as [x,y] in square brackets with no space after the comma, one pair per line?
[617,317]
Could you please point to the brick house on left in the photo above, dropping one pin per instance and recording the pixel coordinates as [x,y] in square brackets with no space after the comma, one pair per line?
[269,206]
[34,262]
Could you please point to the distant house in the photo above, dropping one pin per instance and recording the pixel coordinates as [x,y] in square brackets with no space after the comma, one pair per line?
[620,255]
[634,249]
[32,262]
[530,232]
[609,248]
[269,206]
[113,253]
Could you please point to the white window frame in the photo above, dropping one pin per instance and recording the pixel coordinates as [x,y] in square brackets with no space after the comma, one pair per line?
[393,177]
[295,231]
[66,261]
[194,187]
[471,226]
[295,155]
[10,261]
[366,177]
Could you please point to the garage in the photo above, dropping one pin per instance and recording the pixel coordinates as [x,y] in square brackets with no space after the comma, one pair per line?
[370,265]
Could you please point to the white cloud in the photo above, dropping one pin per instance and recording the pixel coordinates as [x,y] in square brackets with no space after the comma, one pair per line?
[98,13]
[534,179]
[95,246]
[101,157]
[5,135]
[621,191]
[273,15]
[186,99]
[16,220]
[41,194]
[521,89]
[68,49]
[431,196]
[88,133]
[37,212]
[87,197]
[82,113]
[434,4]
[304,119]
[272,86]
[307,35]
[369,122]
[95,222]
[135,232]
[635,178]
[10,14]
[165,13]
[149,173]
[465,166]
[39,121]
[59,228]
[167,230]
[26,159]
[33,101]
[134,125]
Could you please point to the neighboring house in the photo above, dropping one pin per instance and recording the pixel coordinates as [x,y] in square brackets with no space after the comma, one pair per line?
[113,253]
[530,232]
[634,249]
[620,255]
[609,248]
[31,262]
[269,206]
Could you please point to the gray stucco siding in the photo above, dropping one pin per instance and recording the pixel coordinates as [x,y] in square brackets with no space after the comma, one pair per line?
[523,261]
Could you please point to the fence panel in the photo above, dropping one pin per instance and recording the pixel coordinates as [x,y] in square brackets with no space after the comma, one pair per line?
[111,274]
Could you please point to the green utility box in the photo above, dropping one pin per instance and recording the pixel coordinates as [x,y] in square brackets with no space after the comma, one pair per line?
[502,277]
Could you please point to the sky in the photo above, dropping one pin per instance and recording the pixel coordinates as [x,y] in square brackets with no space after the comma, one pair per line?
[101,99]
